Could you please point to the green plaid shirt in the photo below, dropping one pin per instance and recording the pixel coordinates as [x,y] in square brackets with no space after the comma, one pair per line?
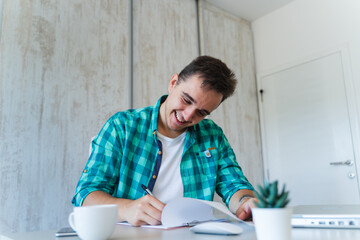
[126,153]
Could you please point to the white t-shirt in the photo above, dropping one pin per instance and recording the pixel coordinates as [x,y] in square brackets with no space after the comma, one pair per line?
[168,184]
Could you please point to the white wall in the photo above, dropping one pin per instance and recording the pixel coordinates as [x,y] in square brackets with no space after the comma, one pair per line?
[305,29]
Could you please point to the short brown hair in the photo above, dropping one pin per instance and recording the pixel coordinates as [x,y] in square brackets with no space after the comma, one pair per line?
[217,76]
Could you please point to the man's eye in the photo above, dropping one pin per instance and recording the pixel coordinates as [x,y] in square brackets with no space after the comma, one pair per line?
[186,101]
[201,114]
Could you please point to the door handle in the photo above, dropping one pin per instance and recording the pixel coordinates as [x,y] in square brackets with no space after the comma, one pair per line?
[346,163]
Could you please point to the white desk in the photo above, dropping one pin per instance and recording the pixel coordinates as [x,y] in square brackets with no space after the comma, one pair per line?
[127,232]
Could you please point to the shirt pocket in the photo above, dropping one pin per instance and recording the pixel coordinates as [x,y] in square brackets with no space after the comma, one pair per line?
[206,161]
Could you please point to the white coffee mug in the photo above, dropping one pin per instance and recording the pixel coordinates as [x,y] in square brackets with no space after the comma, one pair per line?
[95,222]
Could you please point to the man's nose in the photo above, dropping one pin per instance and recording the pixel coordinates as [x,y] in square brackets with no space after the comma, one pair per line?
[189,114]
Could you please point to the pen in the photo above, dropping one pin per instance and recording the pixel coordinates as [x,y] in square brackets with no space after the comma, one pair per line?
[147,191]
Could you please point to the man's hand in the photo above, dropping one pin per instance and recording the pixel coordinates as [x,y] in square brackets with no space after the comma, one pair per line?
[244,211]
[241,203]
[143,211]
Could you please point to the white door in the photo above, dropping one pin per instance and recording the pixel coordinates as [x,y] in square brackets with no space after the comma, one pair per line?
[306,132]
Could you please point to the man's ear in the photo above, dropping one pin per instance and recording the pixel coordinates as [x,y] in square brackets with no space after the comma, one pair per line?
[173,82]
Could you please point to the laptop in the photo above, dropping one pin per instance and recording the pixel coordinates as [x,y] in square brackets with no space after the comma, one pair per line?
[326,216]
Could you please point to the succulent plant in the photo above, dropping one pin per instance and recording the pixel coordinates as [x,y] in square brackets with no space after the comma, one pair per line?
[269,197]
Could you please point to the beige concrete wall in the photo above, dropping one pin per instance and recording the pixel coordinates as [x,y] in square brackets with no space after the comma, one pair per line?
[165,40]
[230,38]
[63,71]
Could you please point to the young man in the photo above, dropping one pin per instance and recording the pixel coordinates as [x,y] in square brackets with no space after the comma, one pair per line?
[170,148]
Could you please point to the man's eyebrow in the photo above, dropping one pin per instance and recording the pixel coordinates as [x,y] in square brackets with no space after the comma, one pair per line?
[189,97]
[193,100]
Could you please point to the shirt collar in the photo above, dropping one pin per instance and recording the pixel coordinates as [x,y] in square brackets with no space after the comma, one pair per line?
[155,114]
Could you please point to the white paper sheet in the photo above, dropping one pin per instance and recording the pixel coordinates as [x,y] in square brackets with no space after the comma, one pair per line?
[188,212]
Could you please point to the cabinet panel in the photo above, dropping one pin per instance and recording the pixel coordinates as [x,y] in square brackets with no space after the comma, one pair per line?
[229,38]
[165,40]
[308,143]
[64,70]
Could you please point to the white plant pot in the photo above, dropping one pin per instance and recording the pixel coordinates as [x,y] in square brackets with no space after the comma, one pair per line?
[272,223]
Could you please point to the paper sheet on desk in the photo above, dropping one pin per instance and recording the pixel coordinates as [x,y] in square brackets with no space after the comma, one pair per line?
[189,211]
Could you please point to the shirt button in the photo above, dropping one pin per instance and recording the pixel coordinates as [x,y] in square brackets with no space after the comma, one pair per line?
[159,152]
[154,176]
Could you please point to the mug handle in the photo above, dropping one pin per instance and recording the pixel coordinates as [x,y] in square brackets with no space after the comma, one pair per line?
[71,221]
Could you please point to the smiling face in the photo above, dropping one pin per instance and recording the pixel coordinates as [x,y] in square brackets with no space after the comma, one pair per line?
[187,104]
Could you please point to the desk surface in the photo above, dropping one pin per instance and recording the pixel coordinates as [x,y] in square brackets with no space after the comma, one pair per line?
[127,232]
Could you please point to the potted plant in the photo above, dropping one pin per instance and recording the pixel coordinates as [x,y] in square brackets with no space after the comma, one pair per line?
[271,216]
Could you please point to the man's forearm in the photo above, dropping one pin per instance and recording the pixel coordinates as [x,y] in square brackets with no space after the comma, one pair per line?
[235,203]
